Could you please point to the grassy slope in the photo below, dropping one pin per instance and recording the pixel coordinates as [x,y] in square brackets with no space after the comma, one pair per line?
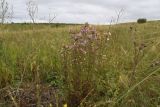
[23,46]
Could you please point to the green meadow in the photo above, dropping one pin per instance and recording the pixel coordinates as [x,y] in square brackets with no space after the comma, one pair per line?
[44,65]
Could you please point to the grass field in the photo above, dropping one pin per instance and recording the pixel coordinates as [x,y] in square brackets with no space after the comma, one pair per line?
[54,65]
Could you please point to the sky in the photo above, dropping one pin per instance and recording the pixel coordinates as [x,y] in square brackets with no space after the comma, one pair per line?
[92,11]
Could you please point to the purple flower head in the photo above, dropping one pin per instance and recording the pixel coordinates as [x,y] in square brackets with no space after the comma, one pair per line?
[84,30]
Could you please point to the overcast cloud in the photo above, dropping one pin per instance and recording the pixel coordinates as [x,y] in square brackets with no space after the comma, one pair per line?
[92,11]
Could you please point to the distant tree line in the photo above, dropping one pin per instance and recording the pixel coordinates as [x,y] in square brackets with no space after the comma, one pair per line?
[142,20]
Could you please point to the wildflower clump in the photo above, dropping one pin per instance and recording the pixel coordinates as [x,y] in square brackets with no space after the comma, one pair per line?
[81,60]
